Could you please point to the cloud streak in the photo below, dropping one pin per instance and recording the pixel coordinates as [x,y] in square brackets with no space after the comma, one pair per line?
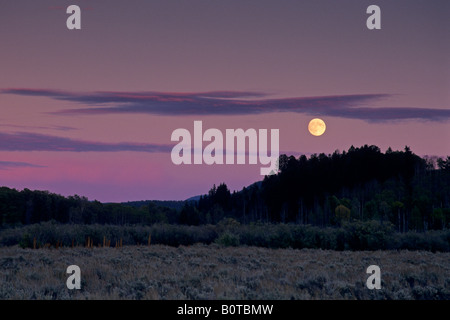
[5,165]
[59,128]
[233,103]
[24,141]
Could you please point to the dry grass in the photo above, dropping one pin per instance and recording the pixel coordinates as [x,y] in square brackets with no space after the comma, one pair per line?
[214,272]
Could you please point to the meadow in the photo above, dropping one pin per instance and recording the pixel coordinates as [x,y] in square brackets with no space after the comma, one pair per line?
[221,272]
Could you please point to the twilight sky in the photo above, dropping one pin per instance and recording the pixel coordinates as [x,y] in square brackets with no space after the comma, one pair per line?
[91,111]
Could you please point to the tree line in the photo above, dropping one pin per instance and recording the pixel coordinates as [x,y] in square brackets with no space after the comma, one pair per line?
[361,184]
[30,207]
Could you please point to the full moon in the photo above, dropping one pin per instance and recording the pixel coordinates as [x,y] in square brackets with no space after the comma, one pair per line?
[317,127]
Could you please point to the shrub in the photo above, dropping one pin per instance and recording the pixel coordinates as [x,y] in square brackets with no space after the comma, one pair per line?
[369,235]
[228,239]
[254,235]
[430,241]
[357,235]
[26,241]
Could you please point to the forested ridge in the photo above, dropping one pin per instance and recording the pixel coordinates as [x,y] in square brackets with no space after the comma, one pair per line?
[361,184]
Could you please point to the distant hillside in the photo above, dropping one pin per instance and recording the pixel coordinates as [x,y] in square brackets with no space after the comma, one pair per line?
[194,198]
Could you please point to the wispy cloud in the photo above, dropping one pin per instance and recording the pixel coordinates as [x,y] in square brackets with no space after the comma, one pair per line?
[24,141]
[59,128]
[4,165]
[233,103]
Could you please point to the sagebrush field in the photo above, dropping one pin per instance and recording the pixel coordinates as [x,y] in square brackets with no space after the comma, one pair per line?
[217,272]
